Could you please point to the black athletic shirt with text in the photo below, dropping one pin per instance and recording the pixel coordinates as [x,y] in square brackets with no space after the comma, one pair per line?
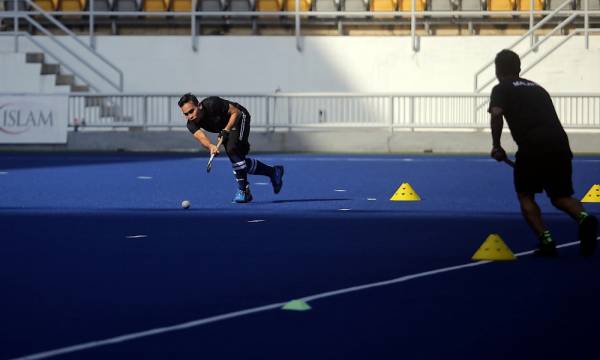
[213,116]
[531,117]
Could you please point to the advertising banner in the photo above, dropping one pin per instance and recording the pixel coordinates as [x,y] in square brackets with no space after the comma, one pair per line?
[33,119]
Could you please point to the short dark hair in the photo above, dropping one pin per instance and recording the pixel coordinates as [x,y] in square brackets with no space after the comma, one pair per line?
[508,63]
[186,98]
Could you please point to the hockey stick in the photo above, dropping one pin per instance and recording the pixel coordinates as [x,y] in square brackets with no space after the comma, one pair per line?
[212,156]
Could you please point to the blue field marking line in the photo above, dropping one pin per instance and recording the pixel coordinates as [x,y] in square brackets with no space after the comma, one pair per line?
[240,313]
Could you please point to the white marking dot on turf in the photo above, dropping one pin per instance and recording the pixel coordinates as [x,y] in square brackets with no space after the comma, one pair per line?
[344,209]
[136,236]
[371,199]
[340,190]
[261,183]
[255,221]
[144,177]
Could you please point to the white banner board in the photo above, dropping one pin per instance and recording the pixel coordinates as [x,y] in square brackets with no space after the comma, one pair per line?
[33,119]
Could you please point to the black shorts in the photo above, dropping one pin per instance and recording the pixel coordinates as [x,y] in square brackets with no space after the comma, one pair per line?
[550,173]
[238,145]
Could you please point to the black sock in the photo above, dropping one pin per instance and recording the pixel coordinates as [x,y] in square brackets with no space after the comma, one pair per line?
[581,216]
[256,167]
[546,238]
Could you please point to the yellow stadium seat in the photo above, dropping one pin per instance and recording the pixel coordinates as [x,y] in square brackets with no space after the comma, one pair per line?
[290,5]
[181,5]
[268,5]
[525,5]
[406,5]
[47,5]
[71,5]
[501,5]
[384,5]
[155,5]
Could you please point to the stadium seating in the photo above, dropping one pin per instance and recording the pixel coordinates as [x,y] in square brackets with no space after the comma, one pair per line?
[155,5]
[592,4]
[525,5]
[326,5]
[269,5]
[126,5]
[384,5]
[355,5]
[210,5]
[71,5]
[99,5]
[441,5]
[501,5]
[10,4]
[241,5]
[406,5]
[554,4]
[290,5]
[47,5]
[471,5]
[180,5]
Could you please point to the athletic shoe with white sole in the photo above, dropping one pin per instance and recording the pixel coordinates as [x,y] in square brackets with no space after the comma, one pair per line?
[243,196]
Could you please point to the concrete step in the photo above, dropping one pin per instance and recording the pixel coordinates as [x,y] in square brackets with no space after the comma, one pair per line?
[50,69]
[31,58]
[80,88]
[62,79]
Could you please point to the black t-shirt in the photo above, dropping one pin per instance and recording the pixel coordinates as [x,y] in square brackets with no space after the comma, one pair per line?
[531,117]
[213,115]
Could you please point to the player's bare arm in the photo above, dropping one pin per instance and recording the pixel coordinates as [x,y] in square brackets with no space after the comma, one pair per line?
[205,141]
[496,124]
[233,115]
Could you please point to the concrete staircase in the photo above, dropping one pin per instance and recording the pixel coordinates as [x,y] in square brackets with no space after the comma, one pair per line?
[101,107]
[61,79]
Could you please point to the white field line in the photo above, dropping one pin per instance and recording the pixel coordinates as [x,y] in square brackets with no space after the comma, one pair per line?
[231,315]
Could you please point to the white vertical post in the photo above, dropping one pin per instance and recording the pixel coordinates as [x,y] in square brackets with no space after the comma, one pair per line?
[145,113]
[586,23]
[411,109]
[413,25]
[391,121]
[298,44]
[289,114]
[267,112]
[532,40]
[194,35]
[92,37]
[16,24]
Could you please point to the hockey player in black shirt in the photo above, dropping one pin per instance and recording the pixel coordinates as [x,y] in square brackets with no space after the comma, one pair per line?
[543,159]
[232,122]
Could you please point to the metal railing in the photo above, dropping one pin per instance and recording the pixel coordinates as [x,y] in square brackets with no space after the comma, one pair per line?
[322,110]
[414,16]
[535,43]
[76,52]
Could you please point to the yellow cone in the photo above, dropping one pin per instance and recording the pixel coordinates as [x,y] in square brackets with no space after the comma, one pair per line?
[593,195]
[405,193]
[493,248]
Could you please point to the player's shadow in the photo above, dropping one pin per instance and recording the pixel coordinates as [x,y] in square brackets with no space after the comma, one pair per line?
[306,200]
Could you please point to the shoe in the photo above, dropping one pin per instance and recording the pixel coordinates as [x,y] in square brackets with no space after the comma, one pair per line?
[546,250]
[277,178]
[243,196]
[588,235]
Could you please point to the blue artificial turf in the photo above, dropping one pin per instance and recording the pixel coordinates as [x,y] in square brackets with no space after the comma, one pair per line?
[70,274]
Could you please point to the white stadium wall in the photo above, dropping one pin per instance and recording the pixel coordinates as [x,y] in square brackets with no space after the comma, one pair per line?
[264,64]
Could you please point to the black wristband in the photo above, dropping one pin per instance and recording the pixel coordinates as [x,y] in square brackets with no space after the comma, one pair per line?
[224,134]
